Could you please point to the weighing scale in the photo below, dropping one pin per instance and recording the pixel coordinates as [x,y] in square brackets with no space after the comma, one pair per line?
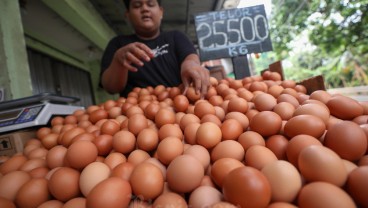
[34,111]
[20,118]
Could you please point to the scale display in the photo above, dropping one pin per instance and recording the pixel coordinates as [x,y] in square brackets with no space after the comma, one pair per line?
[34,111]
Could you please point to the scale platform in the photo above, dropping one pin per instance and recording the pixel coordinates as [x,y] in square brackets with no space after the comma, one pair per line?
[33,111]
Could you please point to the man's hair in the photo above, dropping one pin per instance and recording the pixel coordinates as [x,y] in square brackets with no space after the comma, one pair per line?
[127,2]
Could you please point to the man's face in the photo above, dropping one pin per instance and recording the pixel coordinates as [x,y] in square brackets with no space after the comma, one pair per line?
[145,16]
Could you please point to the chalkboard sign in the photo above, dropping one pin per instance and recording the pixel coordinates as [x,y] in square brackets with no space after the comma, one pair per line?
[232,32]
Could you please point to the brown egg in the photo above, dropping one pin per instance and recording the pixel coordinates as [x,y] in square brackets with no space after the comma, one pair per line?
[285,110]
[6,203]
[231,129]
[52,204]
[181,103]
[32,164]
[216,100]
[103,144]
[81,153]
[164,116]
[114,159]
[357,185]
[211,118]
[110,127]
[188,119]
[55,156]
[123,170]
[264,102]
[168,149]
[75,203]
[347,139]
[11,183]
[208,135]
[184,174]
[250,138]
[12,164]
[170,199]
[320,95]
[285,180]
[227,149]
[168,130]
[190,133]
[277,144]
[57,120]
[247,187]
[97,115]
[137,156]
[203,108]
[200,153]
[305,124]
[258,156]
[33,193]
[323,194]
[64,184]
[147,139]
[91,175]
[319,163]
[238,105]
[39,172]
[315,110]
[266,123]
[344,107]
[297,144]
[288,98]
[222,167]
[147,181]
[67,137]
[111,192]
[50,140]
[240,117]
[204,196]
[124,142]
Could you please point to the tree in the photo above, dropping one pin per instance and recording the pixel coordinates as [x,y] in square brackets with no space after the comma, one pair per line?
[337,28]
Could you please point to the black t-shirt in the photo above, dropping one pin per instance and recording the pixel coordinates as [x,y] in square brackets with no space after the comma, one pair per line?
[170,49]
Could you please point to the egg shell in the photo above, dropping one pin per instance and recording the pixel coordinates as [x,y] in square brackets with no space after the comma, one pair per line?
[75,203]
[305,124]
[285,180]
[247,187]
[12,164]
[264,102]
[11,182]
[164,116]
[278,144]
[168,130]
[124,142]
[91,175]
[184,174]
[137,156]
[168,149]
[204,196]
[147,181]
[228,149]
[64,184]
[266,123]
[81,153]
[347,139]
[323,194]
[208,135]
[250,138]
[344,107]
[137,123]
[222,167]
[52,204]
[319,163]
[114,159]
[170,199]
[112,192]
[240,117]
[33,193]
[55,156]
[318,110]
[200,153]
[237,104]
[357,185]
[258,156]
[103,144]
[231,129]
[203,108]
[6,203]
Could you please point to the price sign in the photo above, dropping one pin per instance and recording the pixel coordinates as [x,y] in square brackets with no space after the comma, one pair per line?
[232,32]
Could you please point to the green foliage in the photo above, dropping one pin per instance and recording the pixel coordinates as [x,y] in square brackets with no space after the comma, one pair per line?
[338,32]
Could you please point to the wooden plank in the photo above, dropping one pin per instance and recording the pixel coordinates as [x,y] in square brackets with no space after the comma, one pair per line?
[313,84]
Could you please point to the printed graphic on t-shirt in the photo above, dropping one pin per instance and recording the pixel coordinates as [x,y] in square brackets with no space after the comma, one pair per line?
[160,50]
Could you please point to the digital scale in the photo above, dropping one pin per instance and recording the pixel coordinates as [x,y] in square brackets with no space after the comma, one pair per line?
[34,111]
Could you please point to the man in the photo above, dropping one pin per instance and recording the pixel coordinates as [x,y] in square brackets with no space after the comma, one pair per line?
[150,57]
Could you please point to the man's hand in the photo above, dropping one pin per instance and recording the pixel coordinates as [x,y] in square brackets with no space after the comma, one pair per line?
[132,55]
[193,73]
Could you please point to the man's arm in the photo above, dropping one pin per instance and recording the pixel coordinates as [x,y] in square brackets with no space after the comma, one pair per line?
[193,72]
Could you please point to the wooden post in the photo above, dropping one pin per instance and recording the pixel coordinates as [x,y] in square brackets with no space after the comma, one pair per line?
[241,67]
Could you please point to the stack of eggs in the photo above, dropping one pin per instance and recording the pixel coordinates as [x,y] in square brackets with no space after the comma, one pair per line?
[255,142]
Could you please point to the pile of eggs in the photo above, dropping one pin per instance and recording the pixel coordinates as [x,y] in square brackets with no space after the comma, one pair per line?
[255,142]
